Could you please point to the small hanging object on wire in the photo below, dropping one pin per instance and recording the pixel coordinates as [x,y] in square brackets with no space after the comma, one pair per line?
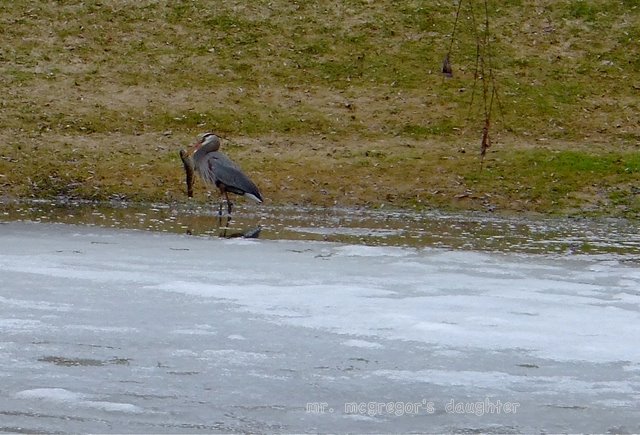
[446,67]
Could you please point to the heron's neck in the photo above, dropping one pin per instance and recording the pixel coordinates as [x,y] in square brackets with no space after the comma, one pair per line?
[206,149]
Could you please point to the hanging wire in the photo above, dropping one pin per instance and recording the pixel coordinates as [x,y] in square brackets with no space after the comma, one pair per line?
[446,63]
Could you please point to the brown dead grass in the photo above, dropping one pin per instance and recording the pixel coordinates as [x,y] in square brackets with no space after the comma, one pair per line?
[320,102]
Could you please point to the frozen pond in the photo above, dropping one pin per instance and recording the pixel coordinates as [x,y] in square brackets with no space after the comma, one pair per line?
[111,330]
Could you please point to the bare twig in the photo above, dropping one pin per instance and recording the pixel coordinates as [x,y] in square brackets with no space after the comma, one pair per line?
[483,71]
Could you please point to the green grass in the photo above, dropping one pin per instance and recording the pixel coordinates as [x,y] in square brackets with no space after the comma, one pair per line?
[564,180]
[302,87]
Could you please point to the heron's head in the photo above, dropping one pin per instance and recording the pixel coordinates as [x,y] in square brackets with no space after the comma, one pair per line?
[208,142]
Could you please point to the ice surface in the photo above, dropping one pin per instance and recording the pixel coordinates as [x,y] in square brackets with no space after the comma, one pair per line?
[76,400]
[132,331]
[362,343]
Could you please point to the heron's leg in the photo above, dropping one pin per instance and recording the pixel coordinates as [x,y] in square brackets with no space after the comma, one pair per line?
[229,203]
[220,213]
[226,225]
[222,192]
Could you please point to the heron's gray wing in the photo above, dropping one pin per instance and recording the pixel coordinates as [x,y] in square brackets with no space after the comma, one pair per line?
[228,173]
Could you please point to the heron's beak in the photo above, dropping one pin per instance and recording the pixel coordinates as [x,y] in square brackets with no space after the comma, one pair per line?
[194,148]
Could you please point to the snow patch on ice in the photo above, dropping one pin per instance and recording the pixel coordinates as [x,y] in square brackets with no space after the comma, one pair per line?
[196,330]
[112,406]
[232,356]
[241,241]
[489,379]
[20,324]
[53,394]
[346,231]
[184,352]
[633,367]
[476,310]
[362,343]
[359,417]
[628,298]
[93,328]
[61,395]
[504,381]
[193,332]
[370,251]
[35,305]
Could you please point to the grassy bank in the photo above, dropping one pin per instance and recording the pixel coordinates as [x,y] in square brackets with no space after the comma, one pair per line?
[324,103]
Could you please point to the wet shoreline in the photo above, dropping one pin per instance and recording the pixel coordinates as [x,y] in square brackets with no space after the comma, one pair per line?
[617,238]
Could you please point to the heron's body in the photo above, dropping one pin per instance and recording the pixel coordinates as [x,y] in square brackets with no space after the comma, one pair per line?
[216,169]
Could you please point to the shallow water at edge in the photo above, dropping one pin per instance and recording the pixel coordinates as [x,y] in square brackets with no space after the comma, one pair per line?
[613,238]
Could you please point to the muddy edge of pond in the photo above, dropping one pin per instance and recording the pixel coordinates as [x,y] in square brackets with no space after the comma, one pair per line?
[476,231]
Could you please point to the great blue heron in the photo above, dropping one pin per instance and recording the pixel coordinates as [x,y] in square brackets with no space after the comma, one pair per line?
[216,169]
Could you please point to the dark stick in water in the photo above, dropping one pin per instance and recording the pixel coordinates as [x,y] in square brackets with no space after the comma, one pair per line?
[187,161]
